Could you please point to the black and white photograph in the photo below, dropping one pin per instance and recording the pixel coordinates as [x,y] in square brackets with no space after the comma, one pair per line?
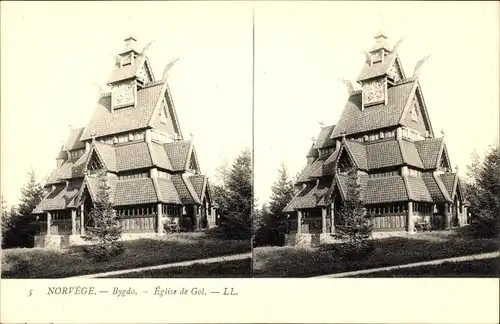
[201,158]
[376,145]
[125,165]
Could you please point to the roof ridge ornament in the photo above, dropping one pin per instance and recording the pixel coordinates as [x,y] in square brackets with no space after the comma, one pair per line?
[398,43]
[350,87]
[416,71]
[146,48]
[168,67]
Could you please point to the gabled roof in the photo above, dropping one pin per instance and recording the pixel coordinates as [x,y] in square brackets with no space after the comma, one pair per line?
[185,189]
[450,180]
[178,153]
[133,156]
[356,120]
[104,122]
[168,192]
[309,197]
[383,190]
[428,150]
[134,192]
[417,190]
[311,171]
[107,154]
[376,69]
[329,166]
[312,152]
[410,154]
[130,71]
[73,142]
[60,198]
[357,151]
[324,139]
[159,155]
[198,182]
[437,194]
[383,154]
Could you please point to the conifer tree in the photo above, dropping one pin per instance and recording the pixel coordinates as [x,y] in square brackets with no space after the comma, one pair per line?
[483,193]
[354,225]
[20,230]
[235,198]
[105,230]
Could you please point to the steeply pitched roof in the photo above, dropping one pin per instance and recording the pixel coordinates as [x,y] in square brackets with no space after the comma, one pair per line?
[354,120]
[134,192]
[159,156]
[168,192]
[410,154]
[384,190]
[185,190]
[358,153]
[61,197]
[108,155]
[436,194]
[178,152]
[418,190]
[309,197]
[329,166]
[312,152]
[64,172]
[324,137]
[73,142]
[376,69]
[133,156]
[104,122]
[197,181]
[428,150]
[449,179]
[311,171]
[383,154]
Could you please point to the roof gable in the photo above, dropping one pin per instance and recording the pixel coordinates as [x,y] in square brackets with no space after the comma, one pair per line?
[354,119]
[106,122]
[73,142]
[422,122]
[383,154]
[357,152]
[324,139]
[428,150]
[178,153]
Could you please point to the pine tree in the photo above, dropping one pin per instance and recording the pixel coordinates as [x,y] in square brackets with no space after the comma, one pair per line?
[235,198]
[354,228]
[483,193]
[20,230]
[282,192]
[105,230]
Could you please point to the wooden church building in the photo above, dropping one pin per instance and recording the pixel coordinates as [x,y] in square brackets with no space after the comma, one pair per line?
[134,137]
[385,134]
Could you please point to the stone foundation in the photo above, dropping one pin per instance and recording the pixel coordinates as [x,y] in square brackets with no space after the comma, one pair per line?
[63,241]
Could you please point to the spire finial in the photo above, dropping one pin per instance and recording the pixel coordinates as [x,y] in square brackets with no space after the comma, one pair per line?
[313,139]
[321,124]
[442,132]
[93,137]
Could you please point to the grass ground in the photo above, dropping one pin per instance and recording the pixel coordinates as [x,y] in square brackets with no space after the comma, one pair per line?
[488,268]
[303,262]
[232,269]
[47,263]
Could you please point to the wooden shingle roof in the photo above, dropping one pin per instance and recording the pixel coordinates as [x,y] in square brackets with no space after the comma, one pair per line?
[324,139]
[418,190]
[383,154]
[73,142]
[384,190]
[105,122]
[134,192]
[356,120]
[178,152]
[410,154]
[428,150]
[168,192]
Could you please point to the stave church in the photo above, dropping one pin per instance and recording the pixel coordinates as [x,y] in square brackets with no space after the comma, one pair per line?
[134,138]
[385,134]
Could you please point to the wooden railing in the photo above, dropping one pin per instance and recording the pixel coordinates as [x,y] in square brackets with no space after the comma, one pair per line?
[389,221]
[136,224]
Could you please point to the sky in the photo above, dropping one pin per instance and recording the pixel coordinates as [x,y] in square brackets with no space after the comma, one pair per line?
[53,54]
[303,49]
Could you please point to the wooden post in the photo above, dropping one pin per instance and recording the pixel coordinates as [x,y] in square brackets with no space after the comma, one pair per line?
[332,215]
[196,223]
[82,220]
[73,221]
[49,221]
[411,225]
[447,216]
[159,219]
[299,222]
[323,220]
